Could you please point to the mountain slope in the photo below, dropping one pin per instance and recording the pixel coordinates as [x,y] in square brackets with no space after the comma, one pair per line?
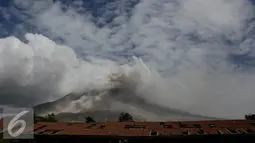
[98,115]
[71,108]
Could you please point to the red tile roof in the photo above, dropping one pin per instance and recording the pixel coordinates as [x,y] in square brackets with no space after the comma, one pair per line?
[147,128]
[1,124]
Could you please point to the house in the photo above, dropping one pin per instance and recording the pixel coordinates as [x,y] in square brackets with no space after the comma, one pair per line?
[132,132]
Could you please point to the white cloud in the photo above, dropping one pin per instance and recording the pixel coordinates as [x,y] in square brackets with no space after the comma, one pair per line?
[182,39]
[41,70]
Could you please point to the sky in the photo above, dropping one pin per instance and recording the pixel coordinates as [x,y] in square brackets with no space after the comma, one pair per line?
[201,52]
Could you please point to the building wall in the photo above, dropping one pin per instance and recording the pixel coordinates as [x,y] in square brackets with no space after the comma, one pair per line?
[177,139]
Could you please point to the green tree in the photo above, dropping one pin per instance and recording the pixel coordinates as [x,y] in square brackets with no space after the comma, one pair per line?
[51,117]
[125,117]
[48,118]
[38,119]
[89,119]
[250,117]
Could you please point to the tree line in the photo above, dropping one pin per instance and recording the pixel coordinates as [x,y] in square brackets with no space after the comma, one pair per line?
[250,117]
[123,117]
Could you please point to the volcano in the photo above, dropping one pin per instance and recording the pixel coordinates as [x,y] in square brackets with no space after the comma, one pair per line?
[107,105]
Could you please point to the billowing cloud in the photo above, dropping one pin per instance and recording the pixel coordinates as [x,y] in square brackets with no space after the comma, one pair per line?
[187,43]
[41,70]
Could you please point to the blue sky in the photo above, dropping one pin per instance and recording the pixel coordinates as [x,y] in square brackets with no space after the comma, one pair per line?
[192,41]
[14,22]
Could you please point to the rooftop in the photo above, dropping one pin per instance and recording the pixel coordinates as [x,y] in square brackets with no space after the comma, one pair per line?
[146,128]
[1,124]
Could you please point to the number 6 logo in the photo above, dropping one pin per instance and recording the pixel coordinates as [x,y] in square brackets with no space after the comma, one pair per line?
[16,120]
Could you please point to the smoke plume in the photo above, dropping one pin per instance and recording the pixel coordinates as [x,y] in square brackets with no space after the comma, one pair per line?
[199,54]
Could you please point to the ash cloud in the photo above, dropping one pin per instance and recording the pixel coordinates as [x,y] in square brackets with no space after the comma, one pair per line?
[188,45]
